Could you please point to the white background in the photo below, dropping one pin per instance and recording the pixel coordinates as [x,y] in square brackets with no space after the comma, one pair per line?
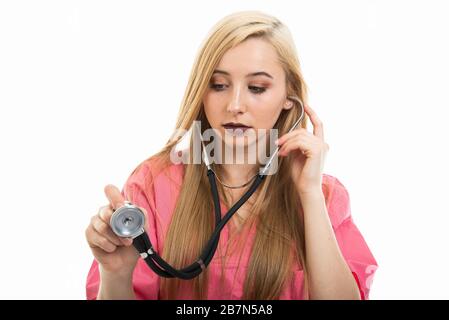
[88,89]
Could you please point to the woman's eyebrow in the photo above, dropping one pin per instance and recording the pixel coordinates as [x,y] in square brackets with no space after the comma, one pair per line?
[259,73]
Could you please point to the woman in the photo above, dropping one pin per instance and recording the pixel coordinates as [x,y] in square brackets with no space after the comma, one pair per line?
[293,239]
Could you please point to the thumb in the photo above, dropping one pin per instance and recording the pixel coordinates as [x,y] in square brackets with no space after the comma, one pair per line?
[114,196]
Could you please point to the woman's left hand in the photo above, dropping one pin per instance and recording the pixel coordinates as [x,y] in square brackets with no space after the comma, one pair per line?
[309,152]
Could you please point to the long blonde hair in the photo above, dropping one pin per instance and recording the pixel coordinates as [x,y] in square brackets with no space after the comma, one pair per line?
[279,239]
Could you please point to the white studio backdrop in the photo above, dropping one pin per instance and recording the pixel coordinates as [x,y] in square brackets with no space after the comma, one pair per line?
[88,89]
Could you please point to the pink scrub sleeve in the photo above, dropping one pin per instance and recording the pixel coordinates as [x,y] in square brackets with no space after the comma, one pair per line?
[145,284]
[351,242]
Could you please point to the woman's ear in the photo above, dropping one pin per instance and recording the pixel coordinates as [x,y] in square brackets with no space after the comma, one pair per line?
[288,104]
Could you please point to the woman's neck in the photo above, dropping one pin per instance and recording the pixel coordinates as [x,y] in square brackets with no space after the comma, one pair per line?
[238,174]
[233,173]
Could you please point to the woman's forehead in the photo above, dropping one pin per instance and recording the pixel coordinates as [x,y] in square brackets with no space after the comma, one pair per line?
[250,56]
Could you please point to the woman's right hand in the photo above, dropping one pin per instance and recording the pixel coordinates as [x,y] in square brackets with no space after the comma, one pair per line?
[114,254]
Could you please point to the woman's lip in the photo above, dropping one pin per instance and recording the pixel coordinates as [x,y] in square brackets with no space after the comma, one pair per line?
[235,127]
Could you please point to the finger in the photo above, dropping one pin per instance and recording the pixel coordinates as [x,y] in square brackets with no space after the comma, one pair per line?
[114,196]
[293,144]
[290,135]
[316,122]
[105,213]
[105,230]
[96,240]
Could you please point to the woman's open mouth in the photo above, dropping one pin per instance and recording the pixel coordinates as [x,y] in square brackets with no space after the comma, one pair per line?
[235,128]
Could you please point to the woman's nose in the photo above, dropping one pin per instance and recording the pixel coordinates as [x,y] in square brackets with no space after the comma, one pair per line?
[237,104]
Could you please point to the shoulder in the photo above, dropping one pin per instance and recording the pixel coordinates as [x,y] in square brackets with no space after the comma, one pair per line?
[337,199]
[154,173]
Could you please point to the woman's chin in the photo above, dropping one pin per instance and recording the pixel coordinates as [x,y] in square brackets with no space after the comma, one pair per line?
[238,138]
[241,141]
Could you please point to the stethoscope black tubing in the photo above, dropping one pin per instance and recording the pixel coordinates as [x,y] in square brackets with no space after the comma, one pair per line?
[142,243]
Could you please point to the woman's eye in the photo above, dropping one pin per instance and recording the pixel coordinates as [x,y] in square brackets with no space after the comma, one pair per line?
[257,89]
[217,86]
[221,87]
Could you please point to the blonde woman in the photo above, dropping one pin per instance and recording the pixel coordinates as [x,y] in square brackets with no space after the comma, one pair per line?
[293,239]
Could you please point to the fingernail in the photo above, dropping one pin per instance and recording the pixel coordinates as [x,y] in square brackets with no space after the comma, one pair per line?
[276,142]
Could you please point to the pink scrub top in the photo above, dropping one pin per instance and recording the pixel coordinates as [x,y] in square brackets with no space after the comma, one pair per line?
[160,203]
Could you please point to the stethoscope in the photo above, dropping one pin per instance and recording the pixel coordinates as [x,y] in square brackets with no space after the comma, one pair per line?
[128,222]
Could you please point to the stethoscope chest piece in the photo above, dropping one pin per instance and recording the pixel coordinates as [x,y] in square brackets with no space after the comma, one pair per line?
[128,221]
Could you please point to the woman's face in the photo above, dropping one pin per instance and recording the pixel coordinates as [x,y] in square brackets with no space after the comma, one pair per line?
[247,88]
